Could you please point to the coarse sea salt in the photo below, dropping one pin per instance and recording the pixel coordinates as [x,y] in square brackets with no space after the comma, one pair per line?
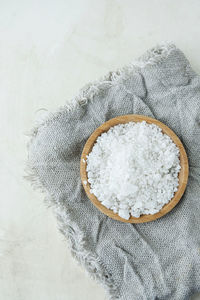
[133,169]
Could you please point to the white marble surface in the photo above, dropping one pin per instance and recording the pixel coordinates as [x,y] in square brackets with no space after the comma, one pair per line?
[48,50]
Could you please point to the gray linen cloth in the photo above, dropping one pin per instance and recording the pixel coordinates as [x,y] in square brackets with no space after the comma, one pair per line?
[155,260]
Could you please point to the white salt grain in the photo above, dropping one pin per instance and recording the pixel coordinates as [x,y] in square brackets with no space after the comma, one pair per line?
[133,169]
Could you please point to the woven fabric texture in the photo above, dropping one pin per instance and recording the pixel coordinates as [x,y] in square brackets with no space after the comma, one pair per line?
[155,260]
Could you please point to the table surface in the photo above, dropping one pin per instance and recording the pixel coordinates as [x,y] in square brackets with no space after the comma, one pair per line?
[48,50]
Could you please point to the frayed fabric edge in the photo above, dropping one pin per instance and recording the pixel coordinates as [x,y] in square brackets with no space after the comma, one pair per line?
[76,240]
[86,258]
[152,57]
[68,227]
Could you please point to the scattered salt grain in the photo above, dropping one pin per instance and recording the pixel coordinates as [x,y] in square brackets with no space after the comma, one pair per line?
[85,182]
[133,169]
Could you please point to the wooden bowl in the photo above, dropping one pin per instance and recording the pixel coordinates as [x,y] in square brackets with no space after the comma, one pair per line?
[183,174]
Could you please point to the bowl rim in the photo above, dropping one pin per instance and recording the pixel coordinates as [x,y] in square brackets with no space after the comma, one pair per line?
[183,174]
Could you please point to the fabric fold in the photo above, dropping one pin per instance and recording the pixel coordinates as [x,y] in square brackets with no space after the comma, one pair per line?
[156,260]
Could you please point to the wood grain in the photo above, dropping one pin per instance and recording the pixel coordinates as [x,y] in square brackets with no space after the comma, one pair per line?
[183,174]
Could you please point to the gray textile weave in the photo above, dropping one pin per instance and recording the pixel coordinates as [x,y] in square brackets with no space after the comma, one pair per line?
[156,260]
